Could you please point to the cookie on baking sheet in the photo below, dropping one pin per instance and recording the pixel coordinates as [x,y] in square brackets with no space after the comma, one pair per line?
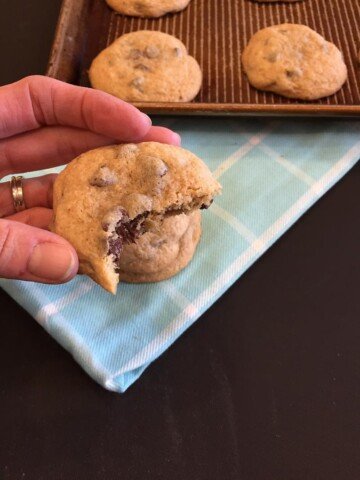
[147,66]
[110,196]
[294,61]
[278,1]
[147,8]
[165,249]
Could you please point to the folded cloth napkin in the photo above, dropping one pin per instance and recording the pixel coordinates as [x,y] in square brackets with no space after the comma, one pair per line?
[272,171]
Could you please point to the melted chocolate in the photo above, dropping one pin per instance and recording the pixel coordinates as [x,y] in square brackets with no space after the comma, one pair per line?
[204,206]
[127,231]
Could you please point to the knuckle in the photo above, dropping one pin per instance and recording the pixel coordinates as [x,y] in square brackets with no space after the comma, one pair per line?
[41,91]
[6,158]
[14,251]
[87,109]
[31,79]
[6,243]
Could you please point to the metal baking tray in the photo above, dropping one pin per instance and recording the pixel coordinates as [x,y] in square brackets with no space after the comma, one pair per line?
[215,33]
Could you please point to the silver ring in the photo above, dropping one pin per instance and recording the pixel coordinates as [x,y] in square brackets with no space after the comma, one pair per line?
[17,193]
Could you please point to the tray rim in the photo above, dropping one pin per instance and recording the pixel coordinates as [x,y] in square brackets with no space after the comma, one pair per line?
[61,43]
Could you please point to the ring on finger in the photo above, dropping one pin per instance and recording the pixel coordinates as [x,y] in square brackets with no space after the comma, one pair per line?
[17,193]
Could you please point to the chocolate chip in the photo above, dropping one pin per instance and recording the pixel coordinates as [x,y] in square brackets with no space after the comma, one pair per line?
[126,231]
[99,182]
[171,211]
[138,82]
[125,150]
[163,172]
[272,57]
[154,166]
[104,177]
[135,54]
[293,73]
[157,243]
[151,51]
[141,66]
[205,206]
[161,168]
[115,248]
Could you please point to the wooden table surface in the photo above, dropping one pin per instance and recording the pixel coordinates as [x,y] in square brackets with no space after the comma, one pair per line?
[266,386]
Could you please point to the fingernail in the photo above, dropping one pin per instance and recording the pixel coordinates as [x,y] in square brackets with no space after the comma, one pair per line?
[51,261]
[177,139]
[147,118]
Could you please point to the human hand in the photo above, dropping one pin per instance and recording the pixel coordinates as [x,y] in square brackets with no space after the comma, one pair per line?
[45,123]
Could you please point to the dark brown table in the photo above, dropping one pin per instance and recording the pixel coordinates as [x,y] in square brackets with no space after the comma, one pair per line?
[266,386]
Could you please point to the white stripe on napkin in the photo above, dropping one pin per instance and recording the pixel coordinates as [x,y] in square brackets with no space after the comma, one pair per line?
[55,307]
[290,167]
[243,150]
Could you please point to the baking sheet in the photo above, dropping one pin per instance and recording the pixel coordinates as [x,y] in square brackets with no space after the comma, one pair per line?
[215,33]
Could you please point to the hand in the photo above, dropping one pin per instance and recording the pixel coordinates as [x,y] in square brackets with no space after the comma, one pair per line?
[44,123]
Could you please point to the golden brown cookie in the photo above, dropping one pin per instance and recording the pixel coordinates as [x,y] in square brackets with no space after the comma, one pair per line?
[165,249]
[294,61]
[147,8]
[278,1]
[111,196]
[147,66]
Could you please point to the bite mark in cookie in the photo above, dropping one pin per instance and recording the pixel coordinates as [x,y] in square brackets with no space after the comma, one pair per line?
[163,250]
[123,232]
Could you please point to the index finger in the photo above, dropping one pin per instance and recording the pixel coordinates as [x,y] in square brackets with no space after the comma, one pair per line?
[37,101]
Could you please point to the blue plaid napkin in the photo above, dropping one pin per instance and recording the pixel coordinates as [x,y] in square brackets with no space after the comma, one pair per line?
[272,171]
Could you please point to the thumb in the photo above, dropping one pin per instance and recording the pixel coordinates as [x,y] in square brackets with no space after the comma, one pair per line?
[29,253]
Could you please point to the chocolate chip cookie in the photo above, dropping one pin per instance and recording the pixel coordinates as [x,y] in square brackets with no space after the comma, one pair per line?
[109,197]
[147,66]
[278,1]
[163,250]
[294,61]
[147,8]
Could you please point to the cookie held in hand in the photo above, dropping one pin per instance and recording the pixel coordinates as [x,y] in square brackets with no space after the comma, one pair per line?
[294,61]
[147,66]
[147,8]
[111,196]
